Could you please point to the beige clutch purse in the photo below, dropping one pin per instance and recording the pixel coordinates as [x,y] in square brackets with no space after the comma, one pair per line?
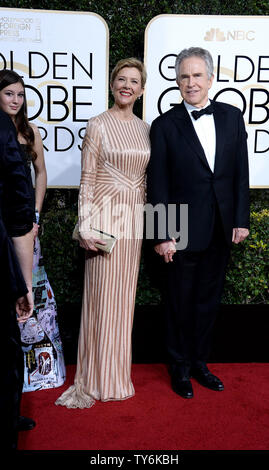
[109,239]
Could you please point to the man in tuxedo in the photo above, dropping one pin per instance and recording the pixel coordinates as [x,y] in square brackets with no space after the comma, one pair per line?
[16,258]
[199,158]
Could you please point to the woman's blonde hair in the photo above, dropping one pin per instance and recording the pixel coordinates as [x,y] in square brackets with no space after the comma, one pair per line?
[131,62]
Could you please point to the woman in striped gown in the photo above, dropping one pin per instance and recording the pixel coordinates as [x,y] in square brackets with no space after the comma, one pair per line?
[115,155]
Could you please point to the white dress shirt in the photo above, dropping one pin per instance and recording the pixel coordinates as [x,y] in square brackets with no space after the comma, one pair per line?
[206,132]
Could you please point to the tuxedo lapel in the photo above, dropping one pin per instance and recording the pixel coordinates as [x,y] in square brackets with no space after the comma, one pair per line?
[221,132]
[184,124]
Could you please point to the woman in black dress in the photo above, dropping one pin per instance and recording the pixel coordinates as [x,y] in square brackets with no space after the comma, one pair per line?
[44,362]
[16,253]
[13,102]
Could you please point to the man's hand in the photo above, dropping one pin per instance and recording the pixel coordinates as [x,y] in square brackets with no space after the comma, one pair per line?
[24,307]
[166,249]
[239,234]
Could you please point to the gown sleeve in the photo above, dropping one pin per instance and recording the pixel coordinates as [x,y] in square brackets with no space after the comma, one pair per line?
[89,164]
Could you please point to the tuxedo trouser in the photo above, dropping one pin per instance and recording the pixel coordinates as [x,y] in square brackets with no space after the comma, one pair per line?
[192,293]
[12,371]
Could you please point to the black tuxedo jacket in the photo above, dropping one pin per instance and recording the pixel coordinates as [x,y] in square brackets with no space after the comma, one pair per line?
[16,212]
[178,173]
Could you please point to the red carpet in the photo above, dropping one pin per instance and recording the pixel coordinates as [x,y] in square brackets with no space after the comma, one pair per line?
[156,418]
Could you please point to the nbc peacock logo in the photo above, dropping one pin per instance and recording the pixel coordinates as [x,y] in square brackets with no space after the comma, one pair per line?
[216,34]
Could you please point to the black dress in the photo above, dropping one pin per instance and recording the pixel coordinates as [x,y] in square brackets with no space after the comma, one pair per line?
[16,219]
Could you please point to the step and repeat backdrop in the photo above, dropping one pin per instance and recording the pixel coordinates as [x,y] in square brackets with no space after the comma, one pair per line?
[239,46]
[63,58]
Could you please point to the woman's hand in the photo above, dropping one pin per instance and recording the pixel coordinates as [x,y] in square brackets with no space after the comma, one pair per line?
[35,230]
[88,243]
[24,307]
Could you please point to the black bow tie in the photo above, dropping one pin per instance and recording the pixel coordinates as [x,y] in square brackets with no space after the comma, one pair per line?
[207,110]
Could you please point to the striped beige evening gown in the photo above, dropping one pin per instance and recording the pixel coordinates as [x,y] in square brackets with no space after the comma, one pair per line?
[115,155]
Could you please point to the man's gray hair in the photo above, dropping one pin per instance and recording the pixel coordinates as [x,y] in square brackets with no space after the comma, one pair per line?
[198,52]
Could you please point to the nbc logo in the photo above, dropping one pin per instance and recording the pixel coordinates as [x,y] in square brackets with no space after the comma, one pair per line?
[215,34]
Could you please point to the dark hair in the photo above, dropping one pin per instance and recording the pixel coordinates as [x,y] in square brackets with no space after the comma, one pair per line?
[9,77]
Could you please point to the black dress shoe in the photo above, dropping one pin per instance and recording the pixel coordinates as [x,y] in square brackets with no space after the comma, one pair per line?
[180,380]
[25,424]
[206,378]
[182,386]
